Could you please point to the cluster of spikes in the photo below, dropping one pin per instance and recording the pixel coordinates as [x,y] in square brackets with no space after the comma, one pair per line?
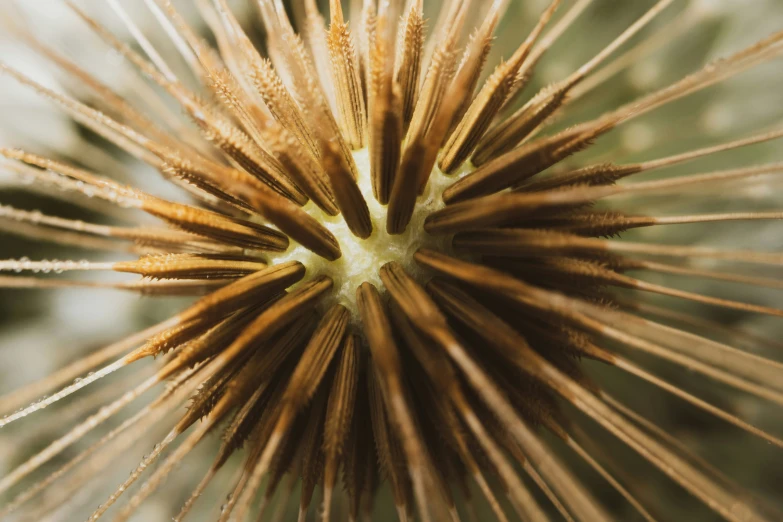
[432,370]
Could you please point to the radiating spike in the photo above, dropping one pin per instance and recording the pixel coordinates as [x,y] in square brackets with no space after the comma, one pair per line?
[546,42]
[302,385]
[695,401]
[666,268]
[506,207]
[686,20]
[753,374]
[77,432]
[345,76]
[517,127]
[347,193]
[407,69]
[475,57]
[489,101]
[533,157]
[128,432]
[423,311]
[441,373]
[386,360]
[385,114]
[587,457]
[339,416]
[703,487]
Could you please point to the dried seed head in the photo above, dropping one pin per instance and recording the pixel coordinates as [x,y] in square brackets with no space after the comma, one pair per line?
[398,275]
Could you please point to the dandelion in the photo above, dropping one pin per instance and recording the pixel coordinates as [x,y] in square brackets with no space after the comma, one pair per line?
[398,272]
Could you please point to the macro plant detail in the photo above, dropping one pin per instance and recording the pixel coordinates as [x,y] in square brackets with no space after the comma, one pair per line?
[397,270]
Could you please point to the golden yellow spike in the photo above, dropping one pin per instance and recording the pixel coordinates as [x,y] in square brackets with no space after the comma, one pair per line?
[345,77]
[517,127]
[386,116]
[407,70]
[490,100]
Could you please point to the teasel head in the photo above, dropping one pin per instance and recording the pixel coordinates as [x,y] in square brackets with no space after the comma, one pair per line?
[400,270]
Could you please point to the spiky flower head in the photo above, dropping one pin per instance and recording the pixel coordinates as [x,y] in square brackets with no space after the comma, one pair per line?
[400,267]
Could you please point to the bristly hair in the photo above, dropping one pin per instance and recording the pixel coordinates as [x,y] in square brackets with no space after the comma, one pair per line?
[398,272]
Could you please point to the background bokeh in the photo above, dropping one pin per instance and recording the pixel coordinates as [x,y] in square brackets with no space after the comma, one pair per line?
[41,331]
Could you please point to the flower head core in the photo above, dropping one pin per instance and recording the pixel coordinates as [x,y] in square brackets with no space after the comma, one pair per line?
[362,259]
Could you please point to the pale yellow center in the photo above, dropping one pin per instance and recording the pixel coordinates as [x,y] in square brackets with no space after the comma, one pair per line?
[362,258]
